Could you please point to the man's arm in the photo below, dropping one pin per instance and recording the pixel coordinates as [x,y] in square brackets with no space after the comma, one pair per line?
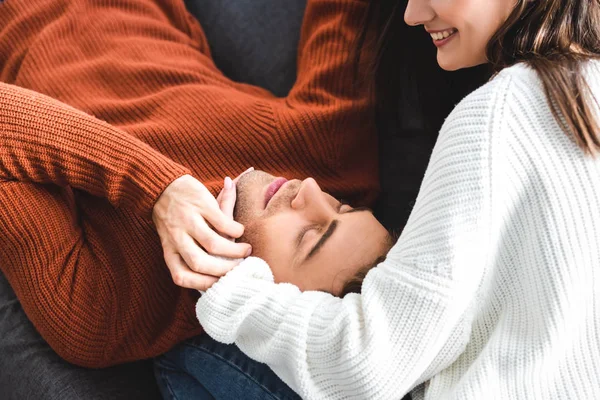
[44,141]
[330,106]
[58,270]
[146,69]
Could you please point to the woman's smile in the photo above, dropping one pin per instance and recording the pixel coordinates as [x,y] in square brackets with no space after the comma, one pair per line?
[440,38]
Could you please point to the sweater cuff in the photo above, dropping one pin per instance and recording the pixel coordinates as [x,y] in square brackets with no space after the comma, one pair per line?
[143,194]
[220,309]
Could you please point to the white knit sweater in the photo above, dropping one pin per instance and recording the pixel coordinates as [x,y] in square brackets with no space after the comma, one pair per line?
[492,291]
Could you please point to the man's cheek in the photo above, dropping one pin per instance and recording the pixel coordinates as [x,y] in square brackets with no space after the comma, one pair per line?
[268,244]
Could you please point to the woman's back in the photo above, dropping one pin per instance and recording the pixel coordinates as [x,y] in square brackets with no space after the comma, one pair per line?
[490,289]
[536,319]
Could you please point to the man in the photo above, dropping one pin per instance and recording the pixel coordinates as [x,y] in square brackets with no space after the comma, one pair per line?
[81,251]
[58,78]
[297,228]
[309,239]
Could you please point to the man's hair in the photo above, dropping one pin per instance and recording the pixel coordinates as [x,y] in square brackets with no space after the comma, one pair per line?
[354,284]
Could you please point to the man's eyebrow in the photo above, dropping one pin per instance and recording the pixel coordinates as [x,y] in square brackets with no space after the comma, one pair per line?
[330,229]
[359,209]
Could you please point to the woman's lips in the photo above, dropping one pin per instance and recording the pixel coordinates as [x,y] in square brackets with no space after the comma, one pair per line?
[440,38]
[273,188]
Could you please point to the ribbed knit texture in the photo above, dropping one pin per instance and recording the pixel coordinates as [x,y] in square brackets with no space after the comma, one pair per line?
[491,292]
[76,193]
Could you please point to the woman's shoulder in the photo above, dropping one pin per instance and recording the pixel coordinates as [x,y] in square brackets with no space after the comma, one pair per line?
[524,81]
[481,115]
[498,88]
[520,79]
[477,110]
[517,92]
[518,84]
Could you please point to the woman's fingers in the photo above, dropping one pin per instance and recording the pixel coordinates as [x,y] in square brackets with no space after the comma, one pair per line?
[198,261]
[228,197]
[235,181]
[221,222]
[218,245]
[184,277]
[220,196]
[191,226]
[243,173]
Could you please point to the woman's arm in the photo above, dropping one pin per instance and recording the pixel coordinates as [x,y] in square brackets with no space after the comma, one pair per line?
[414,315]
[45,141]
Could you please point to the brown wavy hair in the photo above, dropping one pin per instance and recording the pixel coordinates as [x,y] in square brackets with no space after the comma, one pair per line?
[553,37]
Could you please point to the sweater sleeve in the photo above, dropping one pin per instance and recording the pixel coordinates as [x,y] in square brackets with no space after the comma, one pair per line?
[45,141]
[327,105]
[414,315]
[143,66]
[173,97]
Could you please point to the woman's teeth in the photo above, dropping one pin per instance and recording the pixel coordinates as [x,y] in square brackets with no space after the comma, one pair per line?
[443,35]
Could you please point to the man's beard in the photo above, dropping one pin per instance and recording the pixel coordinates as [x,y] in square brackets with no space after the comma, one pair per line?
[247,188]
[249,207]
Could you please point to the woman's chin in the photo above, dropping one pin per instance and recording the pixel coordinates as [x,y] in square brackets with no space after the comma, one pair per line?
[448,63]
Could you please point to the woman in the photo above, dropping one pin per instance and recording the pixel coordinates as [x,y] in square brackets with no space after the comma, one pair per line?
[490,292]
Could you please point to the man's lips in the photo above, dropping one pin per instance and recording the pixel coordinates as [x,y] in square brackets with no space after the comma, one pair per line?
[273,188]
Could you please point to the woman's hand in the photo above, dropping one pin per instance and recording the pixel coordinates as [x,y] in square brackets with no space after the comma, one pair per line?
[228,195]
[184,216]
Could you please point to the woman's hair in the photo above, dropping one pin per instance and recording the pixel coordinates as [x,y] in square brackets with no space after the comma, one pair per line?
[408,84]
[551,36]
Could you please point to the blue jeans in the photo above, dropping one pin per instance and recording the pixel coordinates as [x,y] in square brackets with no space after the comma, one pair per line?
[201,368]
[251,41]
[255,42]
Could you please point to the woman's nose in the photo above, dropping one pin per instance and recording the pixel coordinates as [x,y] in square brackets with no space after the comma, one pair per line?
[418,12]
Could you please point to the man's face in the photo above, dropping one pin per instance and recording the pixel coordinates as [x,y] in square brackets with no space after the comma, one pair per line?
[308,237]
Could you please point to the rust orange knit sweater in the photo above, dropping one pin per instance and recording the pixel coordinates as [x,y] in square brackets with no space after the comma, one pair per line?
[77,187]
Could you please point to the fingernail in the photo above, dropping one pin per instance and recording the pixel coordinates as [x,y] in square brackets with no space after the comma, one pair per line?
[228,183]
[249,252]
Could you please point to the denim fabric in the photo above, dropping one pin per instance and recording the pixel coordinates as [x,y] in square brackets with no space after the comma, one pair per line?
[30,369]
[201,368]
[253,41]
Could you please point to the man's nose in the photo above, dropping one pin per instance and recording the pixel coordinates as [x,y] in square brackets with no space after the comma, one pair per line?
[418,12]
[310,196]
